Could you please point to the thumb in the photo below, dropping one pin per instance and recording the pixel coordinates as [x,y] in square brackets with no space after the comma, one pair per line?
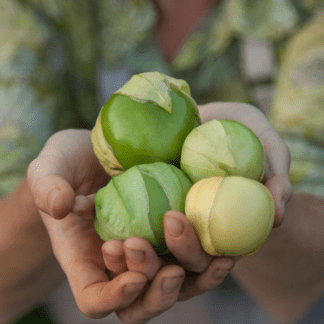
[50,187]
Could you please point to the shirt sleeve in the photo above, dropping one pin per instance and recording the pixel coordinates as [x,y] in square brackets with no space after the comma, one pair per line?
[298,112]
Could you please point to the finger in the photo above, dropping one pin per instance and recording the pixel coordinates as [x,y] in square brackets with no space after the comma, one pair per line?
[84,206]
[208,280]
[114,257]
[49,178]
[77,248]
[160,296]
[281,196]
[67,166]
[96,295]
[278,157]
[276,177]
[278,154]
[52,194]
[141,257]
[183,242]
[100,299]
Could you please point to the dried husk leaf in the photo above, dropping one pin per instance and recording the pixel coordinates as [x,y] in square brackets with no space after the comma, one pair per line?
[155,87]
[104,151]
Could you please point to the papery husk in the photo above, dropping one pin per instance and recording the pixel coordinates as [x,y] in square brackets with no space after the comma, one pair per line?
[155,87]
[104,151]
[231,215]
[209,152]
[162,173]
[123,206]
[198,209]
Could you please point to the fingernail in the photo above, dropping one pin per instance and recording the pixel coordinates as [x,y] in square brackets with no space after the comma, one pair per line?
[170,285]
[220,274]
[174,226]
[135,256]
[51,199]
[132,288]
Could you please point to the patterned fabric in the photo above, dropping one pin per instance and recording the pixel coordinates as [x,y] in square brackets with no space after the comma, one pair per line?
[50,51]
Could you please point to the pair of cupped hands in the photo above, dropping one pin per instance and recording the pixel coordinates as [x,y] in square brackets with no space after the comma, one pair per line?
[128,277]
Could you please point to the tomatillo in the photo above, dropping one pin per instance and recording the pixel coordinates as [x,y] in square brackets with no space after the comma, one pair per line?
[133,204]
[145,121]
[222,148]
[231,215]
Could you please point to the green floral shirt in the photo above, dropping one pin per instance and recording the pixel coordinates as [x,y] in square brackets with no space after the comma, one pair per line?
[50,52]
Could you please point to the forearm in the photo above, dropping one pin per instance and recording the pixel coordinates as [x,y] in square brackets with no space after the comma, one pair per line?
[285,275]
[28,269]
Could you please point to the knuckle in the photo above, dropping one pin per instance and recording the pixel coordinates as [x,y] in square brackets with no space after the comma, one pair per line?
[127,317]
[89,306]
[88,311]
[31,170]
[158,308]
[195,266]
[192,269]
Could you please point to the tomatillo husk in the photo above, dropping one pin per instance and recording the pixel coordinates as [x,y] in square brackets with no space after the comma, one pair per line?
[231,215]
[133,204]
[222,148]
[145,121]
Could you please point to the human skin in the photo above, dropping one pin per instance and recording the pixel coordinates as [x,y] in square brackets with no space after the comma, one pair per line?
[89,274]
[78,248]
[29,270]
[197,261]
[172,29]
[286,274]
[59,166]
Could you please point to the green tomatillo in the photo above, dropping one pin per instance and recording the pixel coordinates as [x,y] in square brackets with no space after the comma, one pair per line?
[231,215]
[222,148]
[145,121]
[133,204]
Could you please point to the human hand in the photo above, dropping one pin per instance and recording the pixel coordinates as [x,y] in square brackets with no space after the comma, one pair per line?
[196,271]
[67,163]
[276,177]
[185,247]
